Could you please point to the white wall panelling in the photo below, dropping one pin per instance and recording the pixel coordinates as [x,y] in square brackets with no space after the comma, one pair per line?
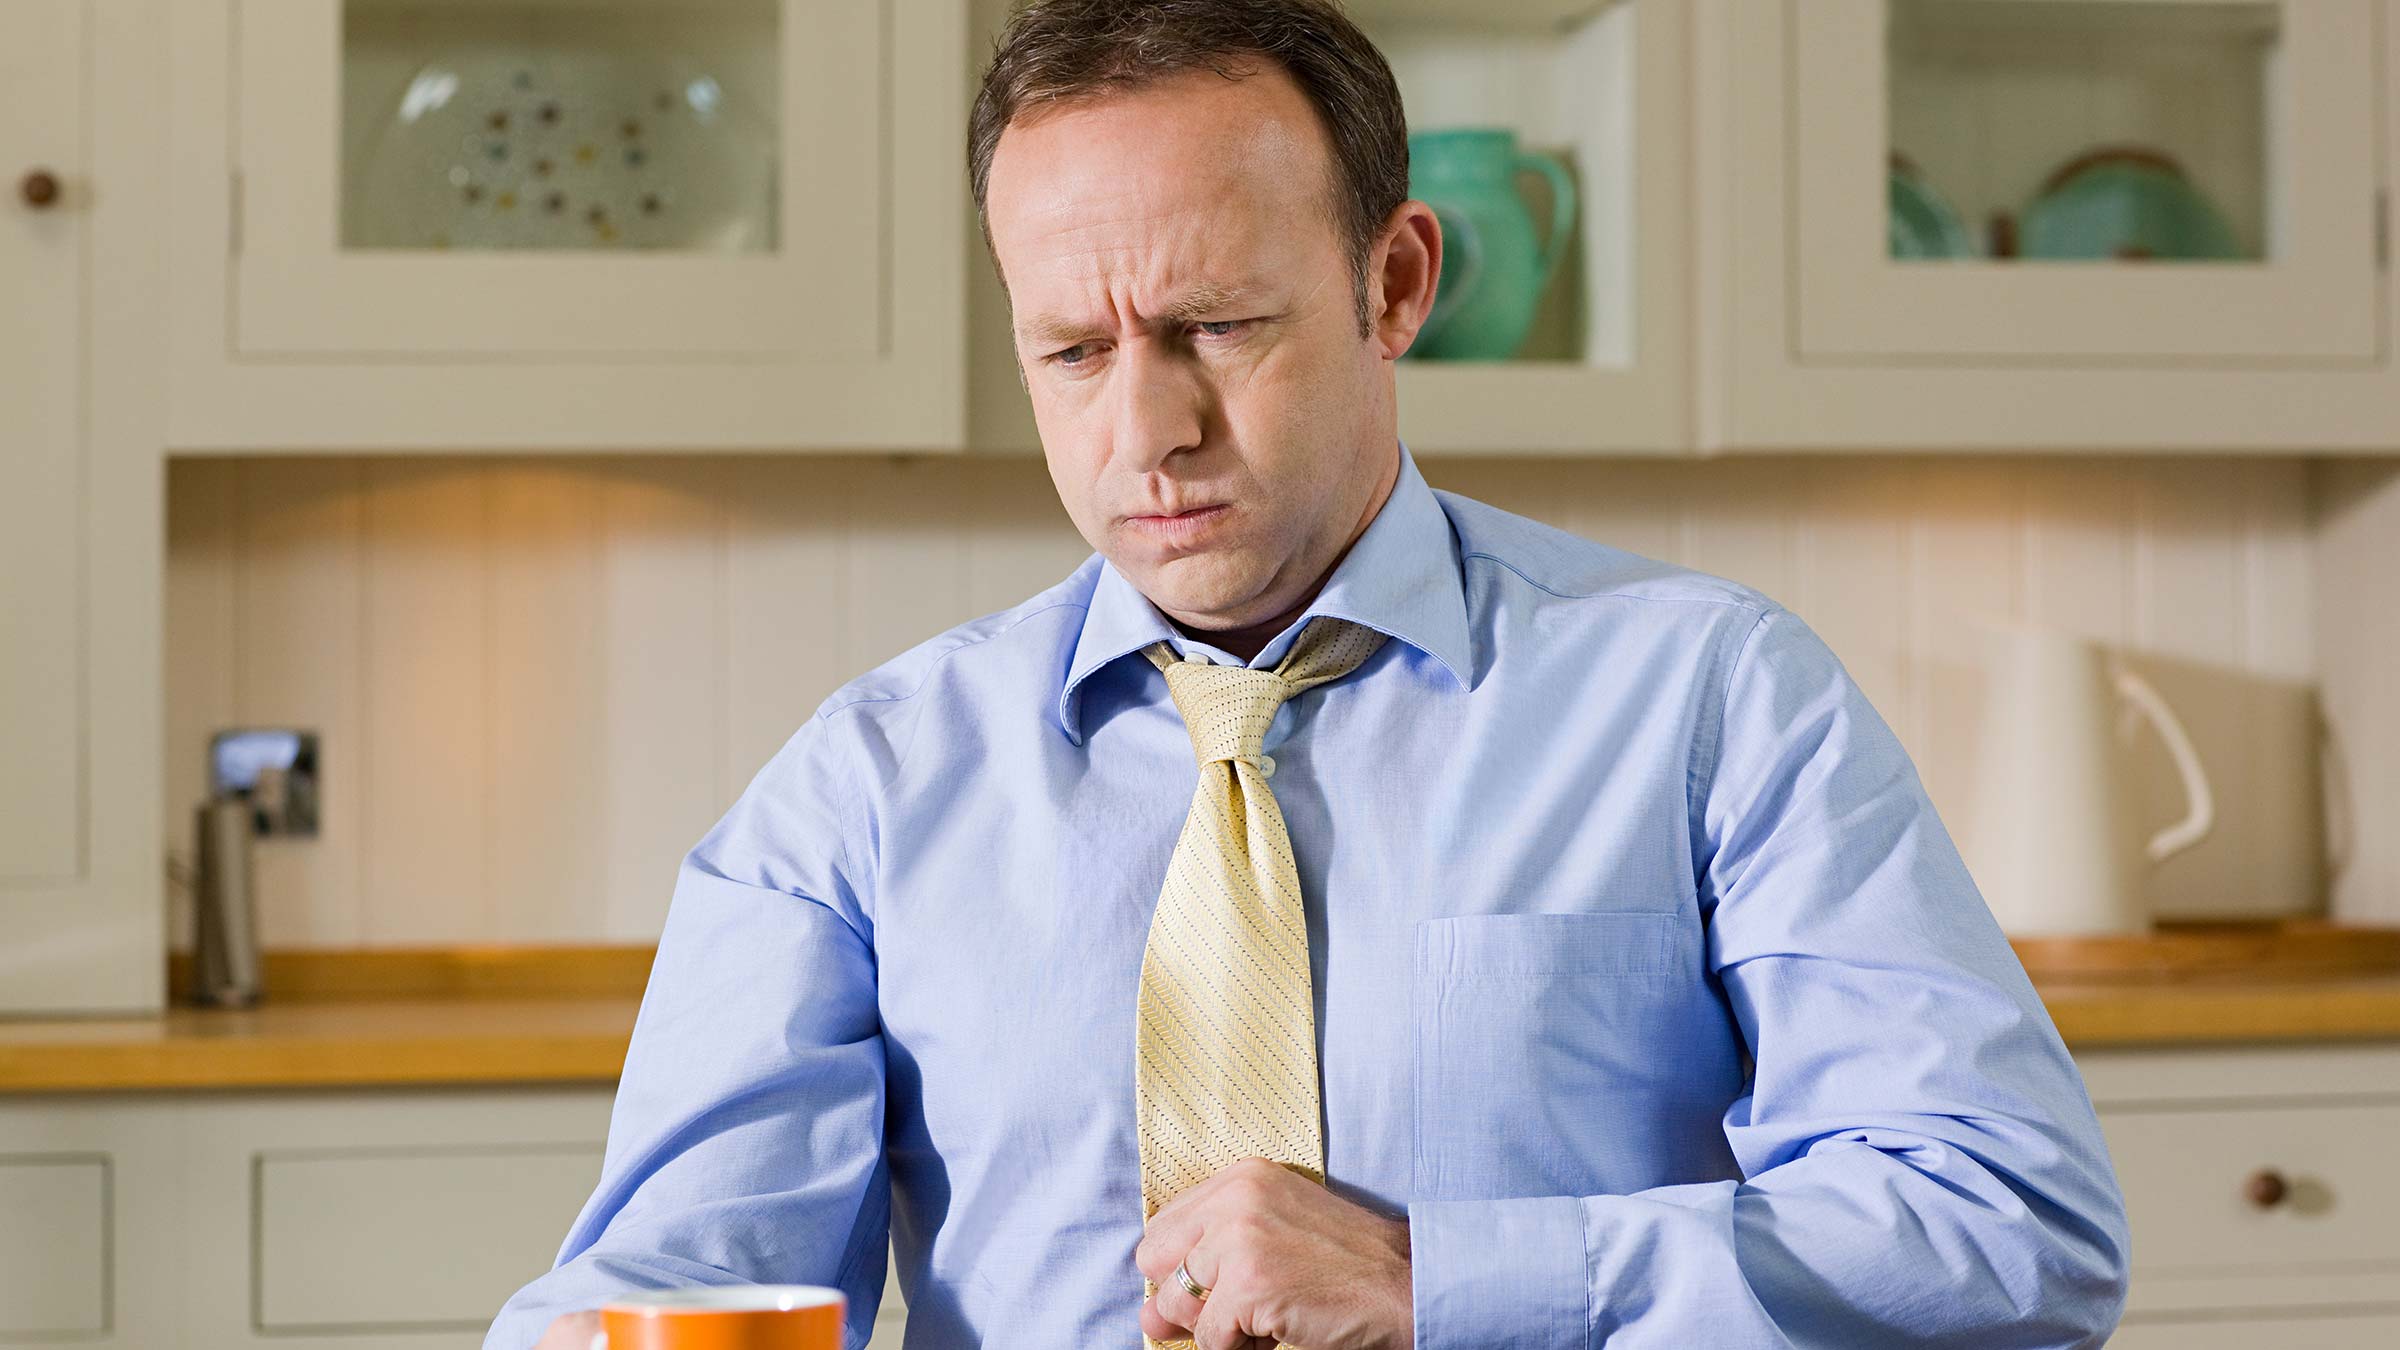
[2358,648]
[539,681]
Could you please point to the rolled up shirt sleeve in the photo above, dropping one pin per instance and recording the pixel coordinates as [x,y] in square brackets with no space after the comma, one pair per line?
[746,1141]
[1922,1165]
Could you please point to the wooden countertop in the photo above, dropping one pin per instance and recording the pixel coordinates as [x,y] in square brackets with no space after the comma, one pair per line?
[481,1027]
[2096,1015]
[414,1041]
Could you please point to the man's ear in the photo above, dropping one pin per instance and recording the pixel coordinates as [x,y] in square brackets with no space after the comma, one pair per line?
[1401,274]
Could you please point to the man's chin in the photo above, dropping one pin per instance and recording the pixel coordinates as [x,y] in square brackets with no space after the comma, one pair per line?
[1196,589]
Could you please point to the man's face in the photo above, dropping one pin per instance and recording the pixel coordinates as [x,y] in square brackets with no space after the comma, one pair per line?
[1185,323]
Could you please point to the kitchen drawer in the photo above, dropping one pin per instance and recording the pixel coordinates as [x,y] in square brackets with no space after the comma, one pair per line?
[2283,1332]
[2185,1170]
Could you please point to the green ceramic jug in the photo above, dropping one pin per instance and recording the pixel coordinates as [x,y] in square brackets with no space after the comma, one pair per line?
[1493,268]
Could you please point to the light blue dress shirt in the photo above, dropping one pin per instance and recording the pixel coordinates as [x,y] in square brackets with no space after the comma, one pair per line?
[1648,985]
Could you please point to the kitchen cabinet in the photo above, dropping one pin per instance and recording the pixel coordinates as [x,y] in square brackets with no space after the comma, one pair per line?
[350,1220]
[2262,1190]
[342,277]
[2047,224]
[233,1215]
[544,224]
[92,1226]
[80,510]
[1602,88]
[470,1194]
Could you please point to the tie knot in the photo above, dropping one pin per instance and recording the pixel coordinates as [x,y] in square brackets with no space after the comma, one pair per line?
[1227,709]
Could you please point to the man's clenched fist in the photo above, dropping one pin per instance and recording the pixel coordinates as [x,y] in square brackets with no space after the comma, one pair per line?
[1284,1259]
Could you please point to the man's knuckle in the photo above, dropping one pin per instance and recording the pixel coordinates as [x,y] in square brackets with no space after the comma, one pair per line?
[1212,1328]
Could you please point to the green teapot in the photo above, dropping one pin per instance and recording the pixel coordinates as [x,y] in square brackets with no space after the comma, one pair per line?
[1493,268]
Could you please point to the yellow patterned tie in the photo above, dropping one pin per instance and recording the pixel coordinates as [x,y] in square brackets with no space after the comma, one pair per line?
[1225,1063]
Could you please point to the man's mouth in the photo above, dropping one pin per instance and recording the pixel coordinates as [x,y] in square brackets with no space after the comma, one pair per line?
[1182,526]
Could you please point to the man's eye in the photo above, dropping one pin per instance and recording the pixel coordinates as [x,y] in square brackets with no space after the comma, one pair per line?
[1081,353]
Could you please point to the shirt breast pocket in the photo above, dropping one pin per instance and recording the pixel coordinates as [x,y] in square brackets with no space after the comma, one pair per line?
[1552,1055]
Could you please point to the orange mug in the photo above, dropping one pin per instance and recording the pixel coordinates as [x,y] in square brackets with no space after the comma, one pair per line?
[724,1317]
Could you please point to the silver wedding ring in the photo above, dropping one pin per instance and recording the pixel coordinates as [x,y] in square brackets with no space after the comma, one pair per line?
[1190,1286]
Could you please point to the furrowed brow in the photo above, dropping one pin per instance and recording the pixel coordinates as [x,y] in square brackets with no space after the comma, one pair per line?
[1203,298]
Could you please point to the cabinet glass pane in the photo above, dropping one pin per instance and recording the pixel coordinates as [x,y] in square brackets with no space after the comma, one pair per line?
[2098,130]
[560,124]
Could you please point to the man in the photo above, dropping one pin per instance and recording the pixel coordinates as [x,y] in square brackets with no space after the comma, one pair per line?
[1340,914]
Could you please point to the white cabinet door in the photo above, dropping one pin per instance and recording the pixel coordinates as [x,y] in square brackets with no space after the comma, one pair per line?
[379,1220]
[2045,225]
[385,1220]
[91,1223]
[80,522]
[43,52]
[2267,110]
[410,224]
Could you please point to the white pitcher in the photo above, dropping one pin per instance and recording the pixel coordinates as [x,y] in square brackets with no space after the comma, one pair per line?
[2052,843]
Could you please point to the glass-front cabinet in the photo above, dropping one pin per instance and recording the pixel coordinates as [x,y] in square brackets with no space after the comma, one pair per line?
[515,223]
[2015,223]
[1550,138]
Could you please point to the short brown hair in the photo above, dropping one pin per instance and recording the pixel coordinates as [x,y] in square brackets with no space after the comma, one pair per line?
[1057,50]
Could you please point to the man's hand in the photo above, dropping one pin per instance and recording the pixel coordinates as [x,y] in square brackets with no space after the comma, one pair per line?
[1284,1259]
[573,1331]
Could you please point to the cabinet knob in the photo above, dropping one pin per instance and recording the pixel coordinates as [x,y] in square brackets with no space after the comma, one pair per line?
[2266,1188]
[39,188]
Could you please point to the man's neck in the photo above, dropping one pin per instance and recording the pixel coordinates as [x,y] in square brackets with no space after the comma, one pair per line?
[1247,643]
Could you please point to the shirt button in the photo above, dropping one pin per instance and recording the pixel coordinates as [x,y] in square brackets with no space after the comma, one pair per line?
[1266,766]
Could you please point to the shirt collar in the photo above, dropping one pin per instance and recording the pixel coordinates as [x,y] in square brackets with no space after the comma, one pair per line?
[1401,579]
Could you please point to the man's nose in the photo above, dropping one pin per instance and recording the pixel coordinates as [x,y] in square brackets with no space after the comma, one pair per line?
[1162,404]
